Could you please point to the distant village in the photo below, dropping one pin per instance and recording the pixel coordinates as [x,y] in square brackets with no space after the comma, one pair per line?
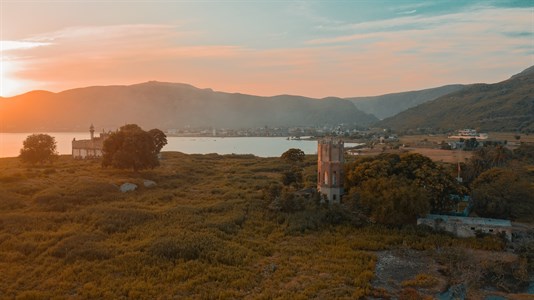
[266,131]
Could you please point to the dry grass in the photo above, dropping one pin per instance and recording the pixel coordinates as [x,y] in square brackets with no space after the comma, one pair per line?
[202,232]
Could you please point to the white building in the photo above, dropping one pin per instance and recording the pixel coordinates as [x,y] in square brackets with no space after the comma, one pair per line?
[91,148]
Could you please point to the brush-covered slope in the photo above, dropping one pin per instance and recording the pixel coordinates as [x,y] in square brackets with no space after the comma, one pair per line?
[503,106]
[388,105]
[169,105]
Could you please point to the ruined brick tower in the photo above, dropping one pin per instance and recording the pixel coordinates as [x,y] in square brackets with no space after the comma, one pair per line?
[330,173]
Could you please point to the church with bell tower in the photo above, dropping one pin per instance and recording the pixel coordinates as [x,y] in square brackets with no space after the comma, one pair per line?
[92,148]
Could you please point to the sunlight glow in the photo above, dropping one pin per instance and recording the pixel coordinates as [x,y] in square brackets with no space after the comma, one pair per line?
[9,86]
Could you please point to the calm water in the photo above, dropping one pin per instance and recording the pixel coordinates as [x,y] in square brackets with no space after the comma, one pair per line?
[10,144]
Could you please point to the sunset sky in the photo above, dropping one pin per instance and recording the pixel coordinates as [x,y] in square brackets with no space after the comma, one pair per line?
[309,48]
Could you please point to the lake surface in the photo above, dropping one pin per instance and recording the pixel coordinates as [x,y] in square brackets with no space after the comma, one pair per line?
[11,143]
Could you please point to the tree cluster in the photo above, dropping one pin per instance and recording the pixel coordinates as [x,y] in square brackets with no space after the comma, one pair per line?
[38,148]
[132,147]
[292,176]
[500,186]
[395,189]
[293,155]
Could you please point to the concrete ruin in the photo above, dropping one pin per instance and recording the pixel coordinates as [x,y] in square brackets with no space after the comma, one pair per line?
[467,226]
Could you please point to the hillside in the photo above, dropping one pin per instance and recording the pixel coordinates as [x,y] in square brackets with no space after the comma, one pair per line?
[388,105]
[503,106]
[169,105]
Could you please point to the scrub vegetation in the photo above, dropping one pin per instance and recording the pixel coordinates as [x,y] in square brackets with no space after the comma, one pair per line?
[206,230]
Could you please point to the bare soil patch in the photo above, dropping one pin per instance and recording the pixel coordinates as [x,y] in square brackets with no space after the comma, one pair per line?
[395,268]
[448,156]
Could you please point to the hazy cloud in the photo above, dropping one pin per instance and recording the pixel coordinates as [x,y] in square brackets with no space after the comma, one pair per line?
[409,12]
[17,45]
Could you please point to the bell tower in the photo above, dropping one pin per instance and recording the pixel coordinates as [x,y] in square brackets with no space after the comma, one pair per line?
[330,172]
[92,131]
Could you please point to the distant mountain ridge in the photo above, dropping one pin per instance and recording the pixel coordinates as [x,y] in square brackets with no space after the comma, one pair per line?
[169,105]
[504,106]
[388,105]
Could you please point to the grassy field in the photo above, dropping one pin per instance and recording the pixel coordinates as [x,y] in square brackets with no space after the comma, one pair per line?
[203,231]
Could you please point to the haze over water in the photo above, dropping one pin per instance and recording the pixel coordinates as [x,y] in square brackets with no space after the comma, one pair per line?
[11,143]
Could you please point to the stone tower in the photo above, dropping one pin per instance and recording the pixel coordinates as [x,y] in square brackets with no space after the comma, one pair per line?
[330,175]
[92,131]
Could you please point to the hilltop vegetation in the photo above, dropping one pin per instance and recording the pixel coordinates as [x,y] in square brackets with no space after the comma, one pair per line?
[503,106]
[205,231]
[170,105]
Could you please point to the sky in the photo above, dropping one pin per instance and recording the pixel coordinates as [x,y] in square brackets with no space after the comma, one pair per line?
[308,48]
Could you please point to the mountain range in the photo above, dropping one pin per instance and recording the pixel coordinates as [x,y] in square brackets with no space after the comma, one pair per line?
[504,106]
[388,105]
[169,105]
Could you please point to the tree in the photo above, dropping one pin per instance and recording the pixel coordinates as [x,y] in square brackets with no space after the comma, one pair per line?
[132,147]
[392,200]
[501,193]
[159,138]
[414,168]
[292,177]
[38,148]
[293,155]
[486,158]
[290,202]
[471,144]
[525,152]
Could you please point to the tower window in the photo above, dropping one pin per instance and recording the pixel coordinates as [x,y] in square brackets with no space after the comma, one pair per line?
[334,178]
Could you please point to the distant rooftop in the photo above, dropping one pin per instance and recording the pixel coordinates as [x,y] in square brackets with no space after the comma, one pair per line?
[471,221]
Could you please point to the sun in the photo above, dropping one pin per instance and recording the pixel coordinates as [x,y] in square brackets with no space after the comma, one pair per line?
[9,85]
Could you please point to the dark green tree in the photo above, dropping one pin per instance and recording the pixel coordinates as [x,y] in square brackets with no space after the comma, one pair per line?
[438,183]
[392,200]
[159,138]
[292,177]
[486,158]
[433,180]
[359,172]
[131,147]
[501,193]
[293,155]
[290,202]
[471,144]
[38,148]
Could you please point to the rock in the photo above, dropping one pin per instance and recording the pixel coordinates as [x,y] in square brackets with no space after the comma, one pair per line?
[455,292]
[149,183]
[128,187]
